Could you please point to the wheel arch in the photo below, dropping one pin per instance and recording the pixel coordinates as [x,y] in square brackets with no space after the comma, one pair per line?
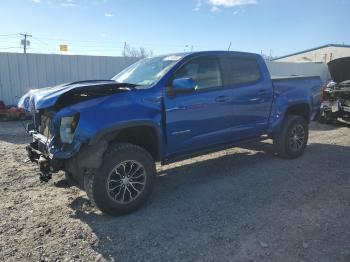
[299,109]
[145,134]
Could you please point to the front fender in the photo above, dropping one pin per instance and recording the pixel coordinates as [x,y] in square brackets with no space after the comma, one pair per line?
[106,116]
[117,127]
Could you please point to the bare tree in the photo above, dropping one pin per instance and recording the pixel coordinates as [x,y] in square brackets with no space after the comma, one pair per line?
[130,51]
[268,57]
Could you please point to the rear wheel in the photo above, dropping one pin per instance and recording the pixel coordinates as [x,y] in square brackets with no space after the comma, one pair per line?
[292,139]
[124,181]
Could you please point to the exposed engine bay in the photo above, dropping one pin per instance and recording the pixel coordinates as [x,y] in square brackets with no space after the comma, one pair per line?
[336,102]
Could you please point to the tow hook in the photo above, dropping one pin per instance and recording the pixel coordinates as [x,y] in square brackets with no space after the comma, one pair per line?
[45,172]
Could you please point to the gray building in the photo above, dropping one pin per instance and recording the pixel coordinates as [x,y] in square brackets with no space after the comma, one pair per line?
[21,72]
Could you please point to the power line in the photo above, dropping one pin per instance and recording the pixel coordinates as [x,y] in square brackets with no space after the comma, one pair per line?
[86,43]
[48,45]
[10,35]
[112,42]
[76,40]
[12,47]
[9,42]
[43,42]
[112,47]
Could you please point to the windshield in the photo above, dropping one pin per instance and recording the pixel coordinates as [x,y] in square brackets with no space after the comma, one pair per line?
[146,71]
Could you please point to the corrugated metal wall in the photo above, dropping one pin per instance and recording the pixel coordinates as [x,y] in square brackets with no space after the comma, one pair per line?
[22,72]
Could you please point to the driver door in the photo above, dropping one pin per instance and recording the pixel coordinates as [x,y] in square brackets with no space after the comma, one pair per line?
[202,118]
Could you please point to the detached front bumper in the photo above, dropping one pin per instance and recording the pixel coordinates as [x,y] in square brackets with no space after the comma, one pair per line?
[331,110]
[47,150]
[38,153]
[43,162]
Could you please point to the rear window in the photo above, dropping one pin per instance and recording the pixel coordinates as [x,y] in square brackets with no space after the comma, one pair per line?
[243,71]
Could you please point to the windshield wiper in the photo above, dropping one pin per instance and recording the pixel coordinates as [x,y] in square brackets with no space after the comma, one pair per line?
[87,81]
[126,84]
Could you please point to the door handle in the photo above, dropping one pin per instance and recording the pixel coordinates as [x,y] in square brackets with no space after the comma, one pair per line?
[262,92]
[222,99]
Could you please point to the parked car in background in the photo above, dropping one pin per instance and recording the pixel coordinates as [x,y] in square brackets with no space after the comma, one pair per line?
[107,135]
[11,112]
[336,102]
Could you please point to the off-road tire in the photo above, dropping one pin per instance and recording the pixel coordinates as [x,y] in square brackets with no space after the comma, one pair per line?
[96,183]
[282,142]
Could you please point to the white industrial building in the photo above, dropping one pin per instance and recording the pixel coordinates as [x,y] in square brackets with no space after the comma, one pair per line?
[323,54]
[337,57]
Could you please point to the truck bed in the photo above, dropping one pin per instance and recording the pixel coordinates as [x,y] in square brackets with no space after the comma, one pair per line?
[295,88]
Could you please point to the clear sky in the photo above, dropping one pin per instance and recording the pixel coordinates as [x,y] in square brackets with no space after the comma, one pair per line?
[100,27]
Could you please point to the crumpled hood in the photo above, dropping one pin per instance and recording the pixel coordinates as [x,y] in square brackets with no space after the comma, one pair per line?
[49,96]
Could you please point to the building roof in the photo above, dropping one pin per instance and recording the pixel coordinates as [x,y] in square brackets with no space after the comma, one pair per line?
[312,49]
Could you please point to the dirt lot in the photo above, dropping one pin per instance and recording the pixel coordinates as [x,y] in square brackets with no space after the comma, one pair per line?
[242,204]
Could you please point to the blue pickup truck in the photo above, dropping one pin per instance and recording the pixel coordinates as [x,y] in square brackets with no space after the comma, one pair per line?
[107,135]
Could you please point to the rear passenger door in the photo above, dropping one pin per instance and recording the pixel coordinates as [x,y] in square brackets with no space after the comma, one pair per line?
[252,95]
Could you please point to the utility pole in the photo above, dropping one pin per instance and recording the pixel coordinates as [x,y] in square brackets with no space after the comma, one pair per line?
[229,46]
[124,50]
[25,42]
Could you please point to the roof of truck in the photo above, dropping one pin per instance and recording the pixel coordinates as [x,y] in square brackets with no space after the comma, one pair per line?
[213,52]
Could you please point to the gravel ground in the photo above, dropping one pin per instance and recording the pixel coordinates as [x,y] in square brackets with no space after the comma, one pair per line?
[242,204]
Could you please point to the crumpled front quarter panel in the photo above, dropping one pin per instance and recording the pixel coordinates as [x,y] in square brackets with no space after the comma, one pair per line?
[109,112]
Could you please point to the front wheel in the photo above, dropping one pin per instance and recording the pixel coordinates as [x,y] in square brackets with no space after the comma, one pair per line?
[124,181]
[293,137]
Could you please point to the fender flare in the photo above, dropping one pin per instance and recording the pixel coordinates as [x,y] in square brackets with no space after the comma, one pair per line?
[276,126]
[111,131]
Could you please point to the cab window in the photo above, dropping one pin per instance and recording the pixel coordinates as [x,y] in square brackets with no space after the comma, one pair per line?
[243,71]
[204,71]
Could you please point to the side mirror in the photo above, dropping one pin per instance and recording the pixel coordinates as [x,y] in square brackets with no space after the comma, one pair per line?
[183,85]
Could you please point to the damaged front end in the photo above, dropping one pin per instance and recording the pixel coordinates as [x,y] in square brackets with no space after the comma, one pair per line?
[52,141]
[336,102]
[60,135]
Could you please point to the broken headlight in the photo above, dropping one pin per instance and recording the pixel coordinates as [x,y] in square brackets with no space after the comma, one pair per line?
[67,128]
